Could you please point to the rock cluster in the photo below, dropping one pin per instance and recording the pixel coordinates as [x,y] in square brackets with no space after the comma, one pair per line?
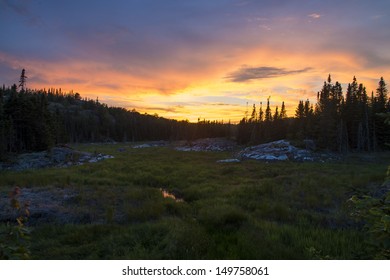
[229,160]
[55,157]
[275,151]
[54,206]
[281,150]
[208,144]
[45,206]
[150,145]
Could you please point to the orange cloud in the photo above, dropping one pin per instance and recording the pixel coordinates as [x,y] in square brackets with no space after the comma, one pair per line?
[183,89]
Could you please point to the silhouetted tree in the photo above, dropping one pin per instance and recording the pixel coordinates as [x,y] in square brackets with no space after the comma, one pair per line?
[22,80]
[268,112]
[380,105]
[283,112]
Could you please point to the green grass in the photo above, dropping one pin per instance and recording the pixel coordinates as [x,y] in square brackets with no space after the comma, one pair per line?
[247,210]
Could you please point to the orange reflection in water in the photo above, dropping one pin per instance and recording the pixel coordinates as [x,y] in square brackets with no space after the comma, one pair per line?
[167,194]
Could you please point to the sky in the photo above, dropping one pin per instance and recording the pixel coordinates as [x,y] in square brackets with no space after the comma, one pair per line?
[194,59]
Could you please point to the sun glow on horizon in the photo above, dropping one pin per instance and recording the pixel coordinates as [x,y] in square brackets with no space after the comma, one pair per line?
[194,61]
[219,100]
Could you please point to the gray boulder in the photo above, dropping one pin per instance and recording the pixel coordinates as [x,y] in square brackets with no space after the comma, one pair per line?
[280,150]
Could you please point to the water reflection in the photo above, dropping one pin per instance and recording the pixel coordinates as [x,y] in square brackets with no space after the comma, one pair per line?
[167,194]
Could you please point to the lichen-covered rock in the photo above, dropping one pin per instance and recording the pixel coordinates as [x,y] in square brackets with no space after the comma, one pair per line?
[280,151]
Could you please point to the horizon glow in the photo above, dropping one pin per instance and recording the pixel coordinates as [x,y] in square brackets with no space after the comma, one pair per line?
[195,59]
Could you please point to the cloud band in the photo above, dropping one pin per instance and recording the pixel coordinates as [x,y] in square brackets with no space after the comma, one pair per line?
[245,73]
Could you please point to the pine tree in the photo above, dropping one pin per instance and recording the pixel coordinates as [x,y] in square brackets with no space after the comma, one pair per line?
[22,80]
[329,124]
[308,109]
[351,113]
[363,133]
[268,112]
[261,113]
[283,112]
[381,96]
[276,115]
[381,130]
[254,114]
[253,124]
[3,140]
[300,110]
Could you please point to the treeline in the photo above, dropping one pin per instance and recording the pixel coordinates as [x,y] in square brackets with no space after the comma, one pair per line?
[263,125]
[353,121]
[35,120]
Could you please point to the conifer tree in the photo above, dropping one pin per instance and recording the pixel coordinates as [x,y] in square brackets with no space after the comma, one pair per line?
[283,112]
[22,80]
[261,113]
[276,115]
[300,110]
[268,112]
[351,113]
[381,96]
[3,142]
[254,114]
[381,130]
[308,109]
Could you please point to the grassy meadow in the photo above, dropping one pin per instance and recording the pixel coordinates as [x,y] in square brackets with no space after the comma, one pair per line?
[246,210]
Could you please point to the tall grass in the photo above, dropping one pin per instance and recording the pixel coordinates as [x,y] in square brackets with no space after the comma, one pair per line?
[247,210]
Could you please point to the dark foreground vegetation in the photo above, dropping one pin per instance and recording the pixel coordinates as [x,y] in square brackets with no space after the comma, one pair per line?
[115,209]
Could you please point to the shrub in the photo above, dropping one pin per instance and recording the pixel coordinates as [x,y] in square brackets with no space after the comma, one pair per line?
[14,239]
[375,214]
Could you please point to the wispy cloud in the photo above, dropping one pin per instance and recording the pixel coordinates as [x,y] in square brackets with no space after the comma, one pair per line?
[23,8]
[246,73]
[137,54]
[314,16]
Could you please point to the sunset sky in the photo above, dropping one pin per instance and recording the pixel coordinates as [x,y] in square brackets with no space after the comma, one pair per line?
[190,59]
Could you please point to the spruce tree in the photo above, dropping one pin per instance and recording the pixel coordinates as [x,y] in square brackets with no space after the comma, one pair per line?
[381,96]
[3,141]
[351,113]
[300,110]
[268,112]
[381,130]
[254,114]
[22,80]
[283,112]
[261,113]
[276,115]
[308,110]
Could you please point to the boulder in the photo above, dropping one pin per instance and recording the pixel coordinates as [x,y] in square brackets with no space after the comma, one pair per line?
[280,150]
[273,151]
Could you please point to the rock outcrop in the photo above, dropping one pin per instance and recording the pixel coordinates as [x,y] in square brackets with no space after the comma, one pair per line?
[208,144]
[282,150]
[55,157]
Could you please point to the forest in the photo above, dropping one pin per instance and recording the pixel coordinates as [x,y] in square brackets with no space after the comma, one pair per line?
[35,120]
[338,122]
